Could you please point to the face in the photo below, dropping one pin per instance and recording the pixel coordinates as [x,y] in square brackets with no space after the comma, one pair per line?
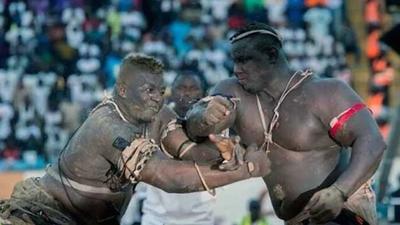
[144,95]
[250,65]
[186,91]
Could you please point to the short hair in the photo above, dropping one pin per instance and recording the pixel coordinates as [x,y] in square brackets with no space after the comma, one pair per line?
[258,28]
[141,62]
[193,74]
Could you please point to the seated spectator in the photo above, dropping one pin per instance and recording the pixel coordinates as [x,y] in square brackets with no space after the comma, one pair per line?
[10,150]
[319,20]
[7,113]
[276,12]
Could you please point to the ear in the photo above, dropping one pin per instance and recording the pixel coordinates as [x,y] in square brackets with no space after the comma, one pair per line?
[273,55]
[122,90]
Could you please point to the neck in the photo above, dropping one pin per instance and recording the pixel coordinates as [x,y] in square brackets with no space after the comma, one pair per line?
[122,105]
[275,87]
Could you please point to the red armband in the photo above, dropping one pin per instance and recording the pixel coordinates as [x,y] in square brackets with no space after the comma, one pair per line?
[337,123]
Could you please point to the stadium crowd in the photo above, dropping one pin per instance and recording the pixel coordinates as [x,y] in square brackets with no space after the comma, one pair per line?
[58,57]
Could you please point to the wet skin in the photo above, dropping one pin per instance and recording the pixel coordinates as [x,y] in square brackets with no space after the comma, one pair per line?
[90,156]
[186,90]
[303,154]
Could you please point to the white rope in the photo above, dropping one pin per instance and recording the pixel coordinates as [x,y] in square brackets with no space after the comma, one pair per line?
[111,101]
[275,117]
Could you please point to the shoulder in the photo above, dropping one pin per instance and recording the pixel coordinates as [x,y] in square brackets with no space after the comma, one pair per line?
[329,90]
[165,115]
[228,86]
[161,121]
[328,98]
[326,85]
[105,126]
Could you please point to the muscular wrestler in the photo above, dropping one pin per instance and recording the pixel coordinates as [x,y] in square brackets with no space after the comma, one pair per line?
[160,207]
[304,123]
[116,147]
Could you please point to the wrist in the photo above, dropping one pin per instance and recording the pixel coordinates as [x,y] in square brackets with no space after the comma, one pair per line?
[244,171]
[341,191]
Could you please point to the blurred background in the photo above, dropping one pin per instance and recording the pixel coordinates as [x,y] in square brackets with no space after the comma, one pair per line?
[58,57]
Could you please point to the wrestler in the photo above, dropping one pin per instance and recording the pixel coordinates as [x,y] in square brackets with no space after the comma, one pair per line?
[304,123]
[114,149]
[160,207]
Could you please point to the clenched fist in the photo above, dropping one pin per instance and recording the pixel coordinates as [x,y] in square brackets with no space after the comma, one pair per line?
[218,108]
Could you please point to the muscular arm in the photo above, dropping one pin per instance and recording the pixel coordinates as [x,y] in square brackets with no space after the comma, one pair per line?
[176,143]
[175,176]
[360,132]
[202,121]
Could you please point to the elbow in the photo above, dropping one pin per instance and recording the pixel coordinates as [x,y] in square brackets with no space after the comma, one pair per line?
[380,148]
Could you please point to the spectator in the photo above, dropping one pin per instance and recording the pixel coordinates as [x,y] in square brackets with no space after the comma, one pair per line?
[160,207]
[319,20]
[254,216]
[294,12]
[236,15]
[276,12]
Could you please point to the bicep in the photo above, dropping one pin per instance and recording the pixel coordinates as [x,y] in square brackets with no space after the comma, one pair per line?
[173,141]
[169,175]
[339,100]
[181,147]
[153,166]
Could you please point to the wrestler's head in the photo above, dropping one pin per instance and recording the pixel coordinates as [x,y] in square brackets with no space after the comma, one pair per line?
[140,86]
[187,88]
[256,52]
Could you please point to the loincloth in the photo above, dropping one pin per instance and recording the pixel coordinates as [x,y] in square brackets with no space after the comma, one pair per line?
[30,204]
[358,210]
[346,217]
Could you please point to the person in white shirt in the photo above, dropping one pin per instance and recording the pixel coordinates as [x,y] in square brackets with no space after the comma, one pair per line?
[6,114]
[319,20]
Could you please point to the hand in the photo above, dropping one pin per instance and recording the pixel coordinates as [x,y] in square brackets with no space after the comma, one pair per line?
[218,108]
[257,161]
[325,205]
[225,145]
[231,151]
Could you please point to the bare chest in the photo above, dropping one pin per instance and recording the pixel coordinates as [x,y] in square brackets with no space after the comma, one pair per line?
[296,129]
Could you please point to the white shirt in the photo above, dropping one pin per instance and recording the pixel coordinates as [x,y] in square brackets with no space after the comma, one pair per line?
[162,208]
[319,20]
[276,10]
[6,114]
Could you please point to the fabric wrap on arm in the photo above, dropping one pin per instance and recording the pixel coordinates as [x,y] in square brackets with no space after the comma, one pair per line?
[230,98]
[134,158]
[171,126]
[337,123]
